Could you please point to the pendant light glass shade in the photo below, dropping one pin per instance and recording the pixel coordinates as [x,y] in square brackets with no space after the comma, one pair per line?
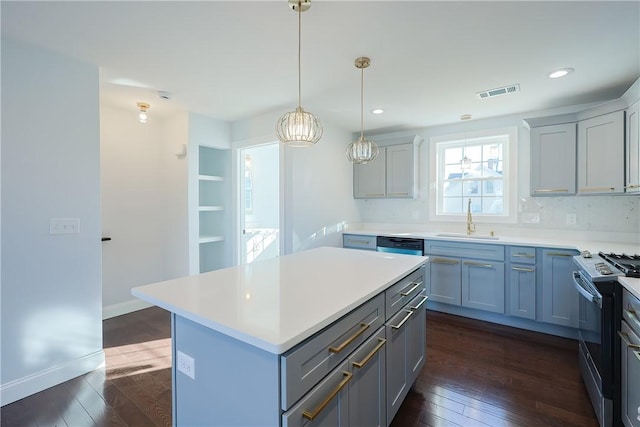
[362,151]
[299,128]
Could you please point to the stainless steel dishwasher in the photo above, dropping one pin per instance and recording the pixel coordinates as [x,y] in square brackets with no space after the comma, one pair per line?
[400,245]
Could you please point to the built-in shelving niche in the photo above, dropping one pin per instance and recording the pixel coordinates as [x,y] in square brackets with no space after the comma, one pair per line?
[213,193]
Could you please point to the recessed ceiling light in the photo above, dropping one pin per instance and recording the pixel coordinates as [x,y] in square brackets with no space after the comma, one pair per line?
[377,111]
[560,73]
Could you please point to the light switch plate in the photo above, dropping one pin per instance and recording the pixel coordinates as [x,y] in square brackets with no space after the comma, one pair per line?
[64,225]
[186,364]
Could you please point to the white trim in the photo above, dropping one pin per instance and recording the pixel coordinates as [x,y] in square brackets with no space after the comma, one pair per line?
[509,182]
[123,308]
[34,383]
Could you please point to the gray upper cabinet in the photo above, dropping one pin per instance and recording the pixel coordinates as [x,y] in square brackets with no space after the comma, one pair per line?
[601,154]
[393,174]
[632,148]
[553,160]
[369,181]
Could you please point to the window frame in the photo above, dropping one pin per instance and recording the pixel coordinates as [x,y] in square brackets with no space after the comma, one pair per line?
[509,174]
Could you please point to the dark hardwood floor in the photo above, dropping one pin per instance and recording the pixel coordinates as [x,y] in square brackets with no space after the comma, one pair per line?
[477,374]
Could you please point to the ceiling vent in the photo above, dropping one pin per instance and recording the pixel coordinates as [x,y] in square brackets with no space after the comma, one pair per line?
[498,91]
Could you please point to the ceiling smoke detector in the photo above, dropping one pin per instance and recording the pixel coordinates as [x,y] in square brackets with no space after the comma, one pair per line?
[505,90]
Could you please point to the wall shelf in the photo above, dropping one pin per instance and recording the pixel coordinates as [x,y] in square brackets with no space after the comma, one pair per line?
[211,239]
[210,178]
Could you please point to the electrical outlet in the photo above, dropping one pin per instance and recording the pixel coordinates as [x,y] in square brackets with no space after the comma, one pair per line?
[186,364]
[572,219]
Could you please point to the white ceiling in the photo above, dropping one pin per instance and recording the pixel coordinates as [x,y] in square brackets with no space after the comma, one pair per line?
[236,59]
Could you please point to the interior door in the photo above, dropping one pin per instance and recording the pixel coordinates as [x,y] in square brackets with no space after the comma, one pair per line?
[259,196]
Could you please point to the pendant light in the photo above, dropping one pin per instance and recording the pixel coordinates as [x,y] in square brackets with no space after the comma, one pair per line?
[362,151]
[299,128]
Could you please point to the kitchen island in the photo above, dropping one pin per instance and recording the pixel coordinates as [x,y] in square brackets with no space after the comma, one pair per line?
[252,343]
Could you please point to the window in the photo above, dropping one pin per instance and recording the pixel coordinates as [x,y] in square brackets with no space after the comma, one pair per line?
[477,166]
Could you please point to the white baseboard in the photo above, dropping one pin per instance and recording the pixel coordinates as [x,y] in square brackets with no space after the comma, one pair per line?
[123,308]
[31,384]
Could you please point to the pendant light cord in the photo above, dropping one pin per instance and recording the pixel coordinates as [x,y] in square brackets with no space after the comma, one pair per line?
[299,53]
[362,102]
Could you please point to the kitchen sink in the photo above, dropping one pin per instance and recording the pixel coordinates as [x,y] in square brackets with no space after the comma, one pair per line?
[467,236]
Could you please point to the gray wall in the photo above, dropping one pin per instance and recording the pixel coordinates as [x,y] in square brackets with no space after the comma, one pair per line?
[51,284]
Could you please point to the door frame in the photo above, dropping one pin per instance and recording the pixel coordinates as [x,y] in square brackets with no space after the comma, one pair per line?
[237,202]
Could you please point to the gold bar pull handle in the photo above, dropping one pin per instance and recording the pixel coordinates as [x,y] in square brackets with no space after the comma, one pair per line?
[558,254]
[413,288]
[338,349]
[633,316]
[313,414]
[444,261]
[625,339]
[381,343]
[523,256]
[551,190]
[528,270]
[632,186]
[597,189]
[417,306]
[478,264]
[399,325]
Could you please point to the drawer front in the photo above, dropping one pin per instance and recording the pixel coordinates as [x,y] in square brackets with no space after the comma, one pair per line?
[327,404]
[521,254]
[465,250]
[308,363]
[358,241]
[631,310]
[404,291]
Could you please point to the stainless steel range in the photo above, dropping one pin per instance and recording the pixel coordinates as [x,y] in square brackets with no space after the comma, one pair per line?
[600,311]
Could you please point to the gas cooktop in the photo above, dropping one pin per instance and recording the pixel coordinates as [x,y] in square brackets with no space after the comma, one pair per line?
[629,265]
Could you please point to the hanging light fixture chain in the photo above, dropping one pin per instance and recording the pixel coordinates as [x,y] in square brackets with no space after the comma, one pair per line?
[362,102]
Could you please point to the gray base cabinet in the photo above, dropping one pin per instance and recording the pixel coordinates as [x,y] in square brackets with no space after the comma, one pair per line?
[630,360]
[406,335]
[355,372]
[483,285]
[466,274]
[559,296]
[522,282]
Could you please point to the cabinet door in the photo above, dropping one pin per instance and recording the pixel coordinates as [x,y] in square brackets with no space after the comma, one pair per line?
[630,377]
[369,180]
[632,142]
[327,404]
[398,379]
[417,332]
[367,391]
[522,291]
[601,154]
[559,296]
[400,171]
[553,160]
[483,285]
[444,280]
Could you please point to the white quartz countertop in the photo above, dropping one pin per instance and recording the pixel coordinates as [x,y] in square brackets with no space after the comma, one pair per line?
[278,303]
[593,246]
[632,284]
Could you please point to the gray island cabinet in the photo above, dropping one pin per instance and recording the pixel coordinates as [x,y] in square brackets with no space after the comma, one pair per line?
[324,337]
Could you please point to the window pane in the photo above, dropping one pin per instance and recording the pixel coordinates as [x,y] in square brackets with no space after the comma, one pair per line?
[471,188]
[452,205]
[492,188]
[492,205]
[452,155]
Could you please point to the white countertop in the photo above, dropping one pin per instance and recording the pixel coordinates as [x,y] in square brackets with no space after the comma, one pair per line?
[548,242]
[632,284]
[276,304]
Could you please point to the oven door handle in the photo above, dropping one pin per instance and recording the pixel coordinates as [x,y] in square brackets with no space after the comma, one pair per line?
[594,298]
